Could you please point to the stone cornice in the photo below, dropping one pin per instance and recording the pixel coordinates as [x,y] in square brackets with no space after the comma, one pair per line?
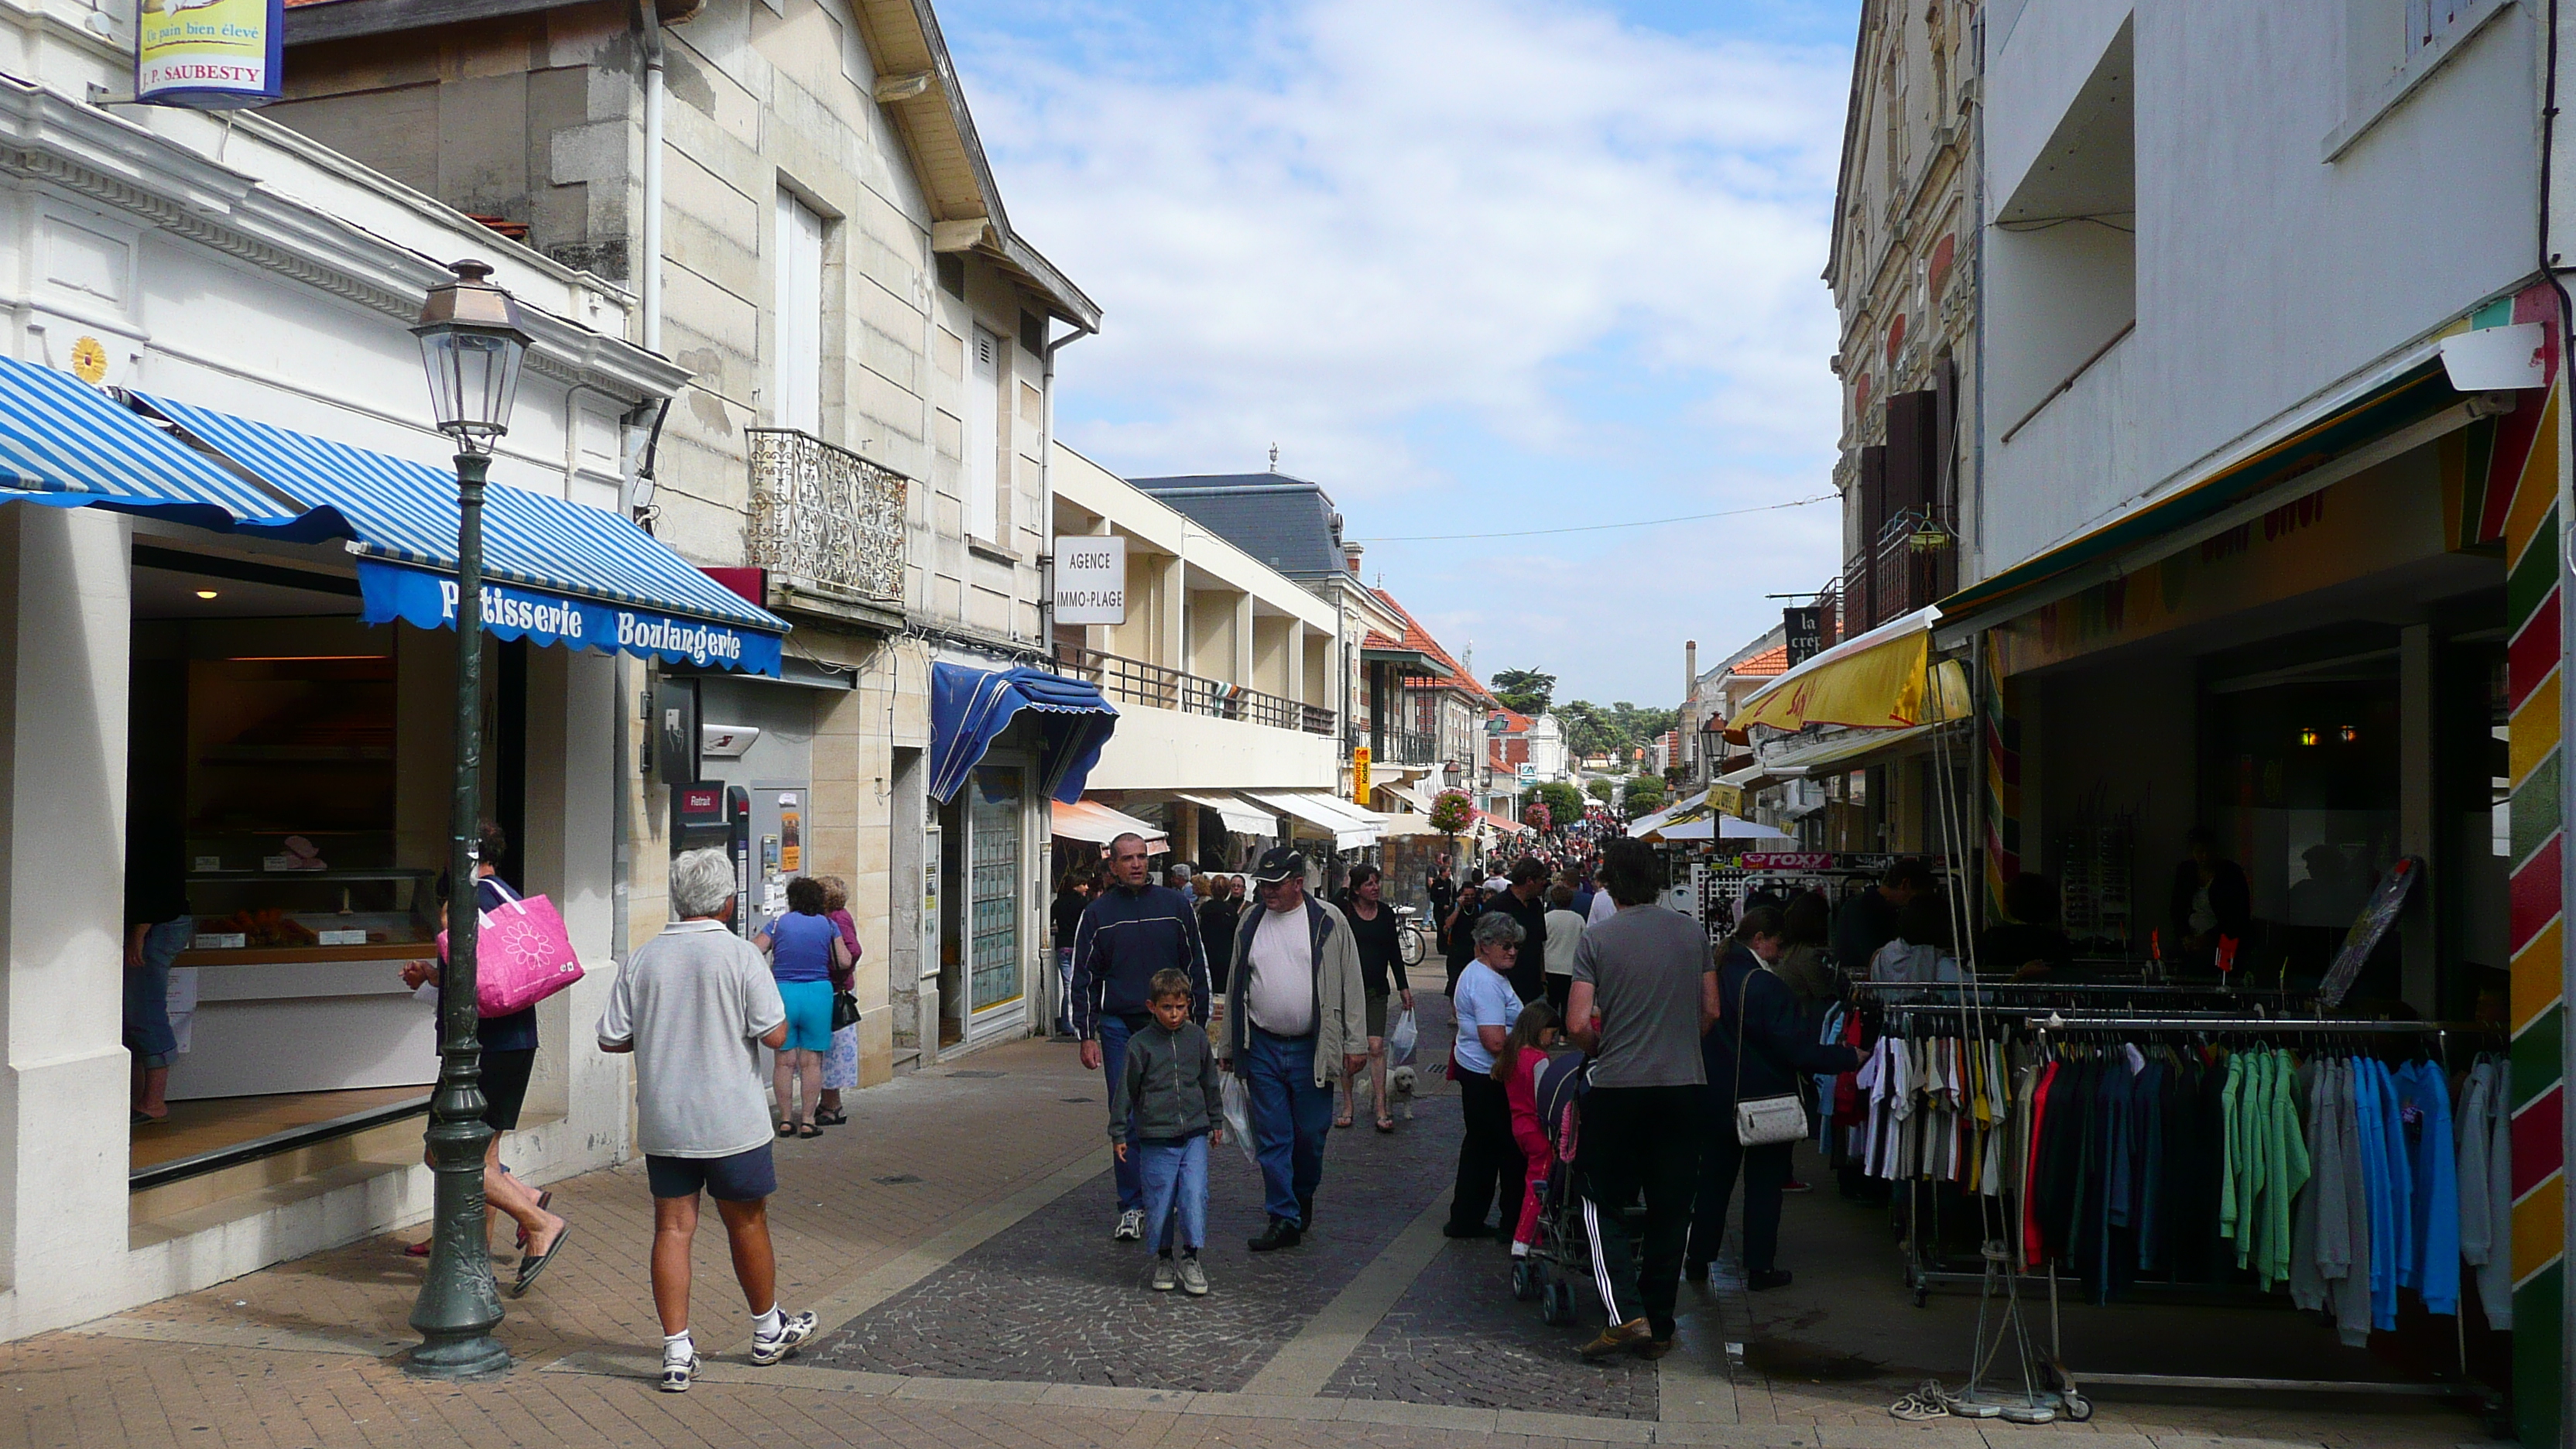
[124,167]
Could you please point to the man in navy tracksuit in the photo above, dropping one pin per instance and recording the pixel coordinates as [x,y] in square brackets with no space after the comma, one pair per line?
[1130,931]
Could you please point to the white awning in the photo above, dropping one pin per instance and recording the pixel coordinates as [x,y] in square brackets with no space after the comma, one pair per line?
[1350,826]
[1086,820]
[1404,791]
[1240,818]
[1850,752]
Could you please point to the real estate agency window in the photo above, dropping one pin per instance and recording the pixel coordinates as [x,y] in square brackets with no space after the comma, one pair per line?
[799,317]
[984,475]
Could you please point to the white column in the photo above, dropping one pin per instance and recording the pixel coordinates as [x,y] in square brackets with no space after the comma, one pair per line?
[1296,670]
[64,1089]
[1243,651]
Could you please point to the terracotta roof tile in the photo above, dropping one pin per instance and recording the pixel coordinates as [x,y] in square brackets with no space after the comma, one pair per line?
[1771,661]
[1416,637]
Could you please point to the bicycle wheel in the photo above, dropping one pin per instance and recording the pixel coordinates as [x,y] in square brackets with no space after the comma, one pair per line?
[1408,944]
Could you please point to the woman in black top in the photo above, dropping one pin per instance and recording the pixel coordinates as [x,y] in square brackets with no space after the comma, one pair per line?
[1072,894]
[1458,932]
[1376,932]
[1218,916]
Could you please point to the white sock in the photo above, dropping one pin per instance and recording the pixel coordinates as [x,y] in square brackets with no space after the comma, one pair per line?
[1520,1250]
[676,1347]
[770,1324]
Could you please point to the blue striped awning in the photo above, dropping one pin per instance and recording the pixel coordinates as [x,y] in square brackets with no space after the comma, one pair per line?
[559,555]
[65,444]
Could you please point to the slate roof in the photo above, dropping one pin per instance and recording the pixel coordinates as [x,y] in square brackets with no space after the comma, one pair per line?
[1286,522]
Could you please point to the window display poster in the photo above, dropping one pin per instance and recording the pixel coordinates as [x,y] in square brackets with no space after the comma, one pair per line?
[209,54]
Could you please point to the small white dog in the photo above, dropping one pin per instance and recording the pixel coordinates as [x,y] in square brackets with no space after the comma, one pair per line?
[1399,1087]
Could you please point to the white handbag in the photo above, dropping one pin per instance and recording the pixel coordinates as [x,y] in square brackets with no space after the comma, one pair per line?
[1764,1120]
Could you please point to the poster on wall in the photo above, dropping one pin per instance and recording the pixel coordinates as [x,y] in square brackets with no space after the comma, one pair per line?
[212,55]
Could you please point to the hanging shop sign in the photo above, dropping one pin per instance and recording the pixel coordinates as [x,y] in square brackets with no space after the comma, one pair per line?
[1360,775]
[428,601]
[213,55]
[1091,579]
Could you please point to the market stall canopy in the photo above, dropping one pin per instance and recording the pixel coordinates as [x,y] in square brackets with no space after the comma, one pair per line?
[1884,679]
[65,444]
[1713,827]
[1092,821]
[1240,818]
[969,709]
[555,571]
[1350,826]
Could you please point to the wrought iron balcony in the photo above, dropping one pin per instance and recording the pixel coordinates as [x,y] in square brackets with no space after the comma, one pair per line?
[1133,681]
[1406,747]
[824,518]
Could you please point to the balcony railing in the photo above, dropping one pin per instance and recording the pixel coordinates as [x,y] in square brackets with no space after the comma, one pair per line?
[1406,747]
[825,518]
[1893,577]
[1133,681]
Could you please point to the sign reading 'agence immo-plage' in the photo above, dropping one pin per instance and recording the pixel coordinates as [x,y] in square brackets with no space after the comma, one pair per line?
[1090,580]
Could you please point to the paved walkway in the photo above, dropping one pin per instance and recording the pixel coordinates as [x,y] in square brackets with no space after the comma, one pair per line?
[954,1240]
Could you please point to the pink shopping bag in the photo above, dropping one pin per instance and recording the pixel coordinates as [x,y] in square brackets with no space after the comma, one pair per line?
[522,955]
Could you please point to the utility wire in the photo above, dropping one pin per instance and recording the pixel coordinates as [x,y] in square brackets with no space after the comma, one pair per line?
[1597,527]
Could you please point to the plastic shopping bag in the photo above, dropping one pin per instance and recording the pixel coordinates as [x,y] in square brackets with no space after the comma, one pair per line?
[1238,1116]
[1400,1040]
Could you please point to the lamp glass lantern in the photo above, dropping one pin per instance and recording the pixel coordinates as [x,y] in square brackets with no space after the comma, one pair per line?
[471,344]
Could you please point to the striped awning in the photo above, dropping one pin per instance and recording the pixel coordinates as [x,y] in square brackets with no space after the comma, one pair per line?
[65,444]
[555,570]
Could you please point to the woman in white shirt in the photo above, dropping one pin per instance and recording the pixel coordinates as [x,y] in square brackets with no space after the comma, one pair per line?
[1564,933]
[1490,1167]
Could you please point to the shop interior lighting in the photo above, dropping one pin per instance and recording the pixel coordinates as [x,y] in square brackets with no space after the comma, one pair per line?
[2348,734]
[2308,735]
[206,593]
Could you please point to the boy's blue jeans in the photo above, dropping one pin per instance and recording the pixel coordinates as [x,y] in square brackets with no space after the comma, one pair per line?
[1175,1181]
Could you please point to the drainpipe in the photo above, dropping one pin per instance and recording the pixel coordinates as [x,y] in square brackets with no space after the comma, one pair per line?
[651,26]
[1046,487]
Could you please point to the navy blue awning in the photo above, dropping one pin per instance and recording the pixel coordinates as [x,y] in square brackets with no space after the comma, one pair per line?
[554,571]
[969,709]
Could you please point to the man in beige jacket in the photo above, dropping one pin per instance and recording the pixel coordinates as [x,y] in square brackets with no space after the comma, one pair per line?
[1296,1017]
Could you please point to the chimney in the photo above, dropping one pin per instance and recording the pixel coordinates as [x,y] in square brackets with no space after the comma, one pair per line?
[1690,670]
[1351,555]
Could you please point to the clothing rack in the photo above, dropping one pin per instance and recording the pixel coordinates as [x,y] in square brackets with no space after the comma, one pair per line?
[1999,1273]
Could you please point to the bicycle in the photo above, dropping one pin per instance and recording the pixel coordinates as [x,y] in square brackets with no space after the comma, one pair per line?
[1412,935]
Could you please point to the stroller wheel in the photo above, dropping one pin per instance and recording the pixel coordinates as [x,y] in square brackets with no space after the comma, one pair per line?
[1525,1279]
[1556,1304]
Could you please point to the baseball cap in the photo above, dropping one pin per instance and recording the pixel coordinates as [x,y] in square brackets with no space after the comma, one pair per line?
[1277,864]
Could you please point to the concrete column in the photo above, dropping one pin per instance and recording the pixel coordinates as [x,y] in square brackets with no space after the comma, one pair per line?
[1173,645]
[1243,652]
[1295,644]
[2416,828]
[63,1090]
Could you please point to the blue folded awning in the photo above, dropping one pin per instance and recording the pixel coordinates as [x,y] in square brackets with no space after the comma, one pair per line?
[554,571]
[65,444]
[969,709]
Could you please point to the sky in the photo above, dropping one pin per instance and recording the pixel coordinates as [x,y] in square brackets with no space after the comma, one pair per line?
[1477,267]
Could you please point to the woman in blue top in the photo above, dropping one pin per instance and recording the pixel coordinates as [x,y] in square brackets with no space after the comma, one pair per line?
[805,948]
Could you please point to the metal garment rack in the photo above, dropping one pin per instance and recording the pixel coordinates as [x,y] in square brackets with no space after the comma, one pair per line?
[2064,1381]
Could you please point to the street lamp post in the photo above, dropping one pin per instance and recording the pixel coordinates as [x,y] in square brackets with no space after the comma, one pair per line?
[471,343]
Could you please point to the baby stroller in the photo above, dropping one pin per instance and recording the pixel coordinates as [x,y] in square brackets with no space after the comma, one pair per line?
[1563,1252]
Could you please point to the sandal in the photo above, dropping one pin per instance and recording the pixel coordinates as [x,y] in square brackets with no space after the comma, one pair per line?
[1386,1124]
[834,1117]
[786,1129]
[1341,1121]
[529,1268]
[809,1130]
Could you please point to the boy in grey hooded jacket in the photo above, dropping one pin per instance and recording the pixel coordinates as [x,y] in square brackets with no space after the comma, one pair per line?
[1171,1083]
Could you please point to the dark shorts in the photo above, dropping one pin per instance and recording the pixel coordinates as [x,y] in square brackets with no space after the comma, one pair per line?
[505,1086]
[1377,1012]
[743,1177]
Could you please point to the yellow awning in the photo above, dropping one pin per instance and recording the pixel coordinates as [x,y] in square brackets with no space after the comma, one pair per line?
[1884,679]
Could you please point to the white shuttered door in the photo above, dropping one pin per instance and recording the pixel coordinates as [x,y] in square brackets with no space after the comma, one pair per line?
[984,438]
[800,316]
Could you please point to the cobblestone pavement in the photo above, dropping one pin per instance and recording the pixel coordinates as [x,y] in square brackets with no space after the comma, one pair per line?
[1056,1301]
[956,1236]
[1457,1337]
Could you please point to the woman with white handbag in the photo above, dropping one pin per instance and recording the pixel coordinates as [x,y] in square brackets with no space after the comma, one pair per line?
[1757,1055]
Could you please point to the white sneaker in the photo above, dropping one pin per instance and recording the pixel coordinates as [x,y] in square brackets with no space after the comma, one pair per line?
[1131,1226]
[793,1329]
[1193,1278]
[1164,1282]
[679,1373]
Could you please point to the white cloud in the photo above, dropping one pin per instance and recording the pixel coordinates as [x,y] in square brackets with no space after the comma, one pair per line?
[1525,225]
